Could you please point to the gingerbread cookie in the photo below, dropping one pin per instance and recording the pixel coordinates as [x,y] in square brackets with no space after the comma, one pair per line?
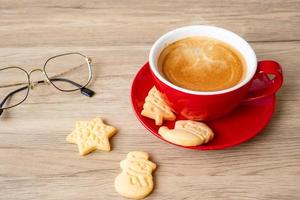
[135,181]
[91,135]
[156,108]
[187,133]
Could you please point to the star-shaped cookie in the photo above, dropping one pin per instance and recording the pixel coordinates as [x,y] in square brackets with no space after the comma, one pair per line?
[91,135]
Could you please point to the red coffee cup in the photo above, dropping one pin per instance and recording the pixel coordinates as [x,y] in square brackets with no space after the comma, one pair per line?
[197,105]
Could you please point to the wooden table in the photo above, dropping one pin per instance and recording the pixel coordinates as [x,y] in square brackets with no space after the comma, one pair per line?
[37,163]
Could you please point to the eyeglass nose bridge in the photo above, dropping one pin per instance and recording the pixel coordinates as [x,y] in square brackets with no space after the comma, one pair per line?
[32,84]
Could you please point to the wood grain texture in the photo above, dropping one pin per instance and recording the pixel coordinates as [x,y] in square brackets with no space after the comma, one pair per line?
[37,163]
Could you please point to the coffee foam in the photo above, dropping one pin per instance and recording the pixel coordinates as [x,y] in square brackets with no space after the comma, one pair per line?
[202,64]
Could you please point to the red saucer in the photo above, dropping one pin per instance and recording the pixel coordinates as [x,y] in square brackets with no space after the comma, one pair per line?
[242,124]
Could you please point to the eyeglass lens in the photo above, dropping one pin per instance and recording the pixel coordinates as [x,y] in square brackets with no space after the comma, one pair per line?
[65,68]
[13,86]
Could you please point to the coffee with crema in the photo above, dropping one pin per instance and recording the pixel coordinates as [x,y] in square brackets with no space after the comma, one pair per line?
[202,64]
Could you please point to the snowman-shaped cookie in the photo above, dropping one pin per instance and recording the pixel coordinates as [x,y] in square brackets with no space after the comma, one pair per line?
[135,181]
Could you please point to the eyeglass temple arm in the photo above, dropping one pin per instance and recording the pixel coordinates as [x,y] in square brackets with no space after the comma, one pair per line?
[10,94]
[83,90]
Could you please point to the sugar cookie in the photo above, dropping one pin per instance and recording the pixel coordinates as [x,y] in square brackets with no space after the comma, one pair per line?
[187,133]
[91,135]
[135,181]
[156,108]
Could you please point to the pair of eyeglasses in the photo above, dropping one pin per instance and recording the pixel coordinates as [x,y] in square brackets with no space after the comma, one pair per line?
[67,72]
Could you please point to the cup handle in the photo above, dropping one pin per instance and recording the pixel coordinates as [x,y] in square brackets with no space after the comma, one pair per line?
[264,68]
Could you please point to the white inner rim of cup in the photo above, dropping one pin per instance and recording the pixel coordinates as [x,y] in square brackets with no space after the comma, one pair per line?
[209,31]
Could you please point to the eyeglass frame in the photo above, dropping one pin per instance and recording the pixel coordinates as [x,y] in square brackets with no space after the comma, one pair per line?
[48,80]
